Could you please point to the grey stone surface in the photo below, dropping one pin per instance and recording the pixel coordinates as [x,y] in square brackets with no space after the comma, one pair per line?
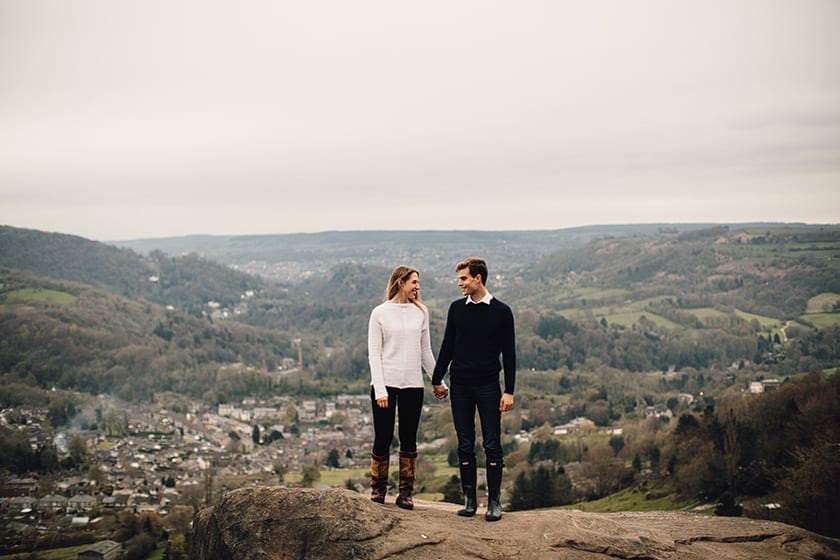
[278,524]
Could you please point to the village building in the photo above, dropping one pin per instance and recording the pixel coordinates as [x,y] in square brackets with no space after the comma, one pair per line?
[102,550]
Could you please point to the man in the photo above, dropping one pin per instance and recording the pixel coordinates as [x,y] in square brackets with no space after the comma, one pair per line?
[479,329]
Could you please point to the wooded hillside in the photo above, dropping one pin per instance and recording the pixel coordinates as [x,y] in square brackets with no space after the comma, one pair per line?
[73,310]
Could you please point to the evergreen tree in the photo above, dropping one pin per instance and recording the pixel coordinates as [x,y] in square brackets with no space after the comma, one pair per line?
[541,487]
[176,548]
[452,458]
[452,491]
[617,444]
[332,459]
[311,474]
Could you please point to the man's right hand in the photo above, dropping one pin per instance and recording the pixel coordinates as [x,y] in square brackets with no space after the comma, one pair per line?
[440,391]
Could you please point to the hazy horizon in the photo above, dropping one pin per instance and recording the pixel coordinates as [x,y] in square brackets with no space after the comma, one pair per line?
[451,230]
[158,119]
[680,225]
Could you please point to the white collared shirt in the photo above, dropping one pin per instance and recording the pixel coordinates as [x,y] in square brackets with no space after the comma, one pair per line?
[486,299]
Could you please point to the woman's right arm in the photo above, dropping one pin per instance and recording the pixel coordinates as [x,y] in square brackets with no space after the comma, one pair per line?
[377,375]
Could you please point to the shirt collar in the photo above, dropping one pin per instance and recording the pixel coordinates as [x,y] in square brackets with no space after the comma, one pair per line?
[486,299]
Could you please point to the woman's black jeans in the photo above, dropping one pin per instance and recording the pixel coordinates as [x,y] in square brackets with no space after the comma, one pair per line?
[408,403]
[465,400]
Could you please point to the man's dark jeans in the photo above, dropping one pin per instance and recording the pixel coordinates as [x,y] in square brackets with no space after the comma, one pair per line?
[465,399]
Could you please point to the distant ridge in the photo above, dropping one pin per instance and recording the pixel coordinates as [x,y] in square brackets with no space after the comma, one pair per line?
[502,247]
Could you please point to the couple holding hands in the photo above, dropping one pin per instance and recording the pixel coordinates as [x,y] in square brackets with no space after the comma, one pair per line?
[479,330]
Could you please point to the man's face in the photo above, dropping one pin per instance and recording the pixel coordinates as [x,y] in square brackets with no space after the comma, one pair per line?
[469,284]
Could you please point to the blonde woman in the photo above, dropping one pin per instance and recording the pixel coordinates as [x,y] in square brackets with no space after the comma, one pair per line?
[399,348]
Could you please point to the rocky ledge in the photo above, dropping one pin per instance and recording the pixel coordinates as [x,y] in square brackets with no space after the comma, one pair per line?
[265,523]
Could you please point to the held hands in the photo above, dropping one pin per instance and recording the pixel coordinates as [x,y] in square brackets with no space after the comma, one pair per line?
[440,391]
[506,403]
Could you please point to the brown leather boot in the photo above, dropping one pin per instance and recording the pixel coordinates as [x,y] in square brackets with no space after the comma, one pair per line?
[408,467]
[378,477]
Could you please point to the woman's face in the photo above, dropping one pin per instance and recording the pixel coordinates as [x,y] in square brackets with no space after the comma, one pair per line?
[411,287]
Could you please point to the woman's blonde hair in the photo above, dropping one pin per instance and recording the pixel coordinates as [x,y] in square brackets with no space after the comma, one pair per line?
[399,276]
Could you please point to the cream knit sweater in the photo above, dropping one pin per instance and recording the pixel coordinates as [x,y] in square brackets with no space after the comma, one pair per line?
[398,346]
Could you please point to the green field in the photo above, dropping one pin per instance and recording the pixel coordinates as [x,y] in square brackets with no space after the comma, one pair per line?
[706,313]
[625,306]
[571,296]
[598,293]
[822,320]
[625,313]
[788,249]
[765,322]
[631,499]
[26,295]
[823,303]
[443,471]
[628,318]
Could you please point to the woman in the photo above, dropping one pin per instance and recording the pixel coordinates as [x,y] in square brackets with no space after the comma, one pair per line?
[399,349]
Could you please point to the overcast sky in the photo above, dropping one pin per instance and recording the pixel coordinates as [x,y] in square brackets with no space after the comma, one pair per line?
[147,118]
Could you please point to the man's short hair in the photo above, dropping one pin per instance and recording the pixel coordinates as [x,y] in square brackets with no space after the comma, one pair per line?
[476,266]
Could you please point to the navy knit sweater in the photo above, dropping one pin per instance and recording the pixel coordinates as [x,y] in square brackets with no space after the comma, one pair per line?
[475,336]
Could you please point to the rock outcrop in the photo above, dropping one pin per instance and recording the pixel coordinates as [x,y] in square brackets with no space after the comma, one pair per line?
[265,523]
